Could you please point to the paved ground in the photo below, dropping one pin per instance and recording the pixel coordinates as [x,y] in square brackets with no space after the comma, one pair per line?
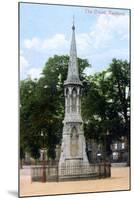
[119,181]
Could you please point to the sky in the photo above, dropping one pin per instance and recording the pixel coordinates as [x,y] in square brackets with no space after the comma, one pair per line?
[45,30]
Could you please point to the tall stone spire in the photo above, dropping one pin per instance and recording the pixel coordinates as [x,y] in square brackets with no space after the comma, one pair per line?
[73,74]
[73,141]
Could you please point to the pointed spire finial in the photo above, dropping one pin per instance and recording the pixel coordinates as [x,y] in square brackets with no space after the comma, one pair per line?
[73,73]
[73,27]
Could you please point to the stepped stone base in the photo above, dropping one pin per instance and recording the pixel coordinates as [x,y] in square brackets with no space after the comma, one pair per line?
[76,169]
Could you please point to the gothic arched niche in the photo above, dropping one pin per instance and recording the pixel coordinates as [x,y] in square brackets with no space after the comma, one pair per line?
[67,91]
[74,143]
[74,98]
[68,100]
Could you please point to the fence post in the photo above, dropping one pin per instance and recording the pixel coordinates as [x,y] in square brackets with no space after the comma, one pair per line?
[105,171]
[57,173]
[109,169]
[44,172]
[99,170]
[31,174]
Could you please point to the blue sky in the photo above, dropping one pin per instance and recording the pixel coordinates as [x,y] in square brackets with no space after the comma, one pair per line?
[45,30]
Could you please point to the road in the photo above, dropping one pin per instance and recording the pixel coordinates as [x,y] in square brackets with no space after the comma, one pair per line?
[119,181]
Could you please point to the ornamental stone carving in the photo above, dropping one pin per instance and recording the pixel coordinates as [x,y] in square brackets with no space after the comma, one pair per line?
[73,141]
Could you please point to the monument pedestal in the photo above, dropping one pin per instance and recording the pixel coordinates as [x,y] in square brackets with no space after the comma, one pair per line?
[73,160]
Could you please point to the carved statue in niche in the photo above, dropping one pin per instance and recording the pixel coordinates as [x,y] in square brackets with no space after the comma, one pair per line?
[74,143]
[74,96]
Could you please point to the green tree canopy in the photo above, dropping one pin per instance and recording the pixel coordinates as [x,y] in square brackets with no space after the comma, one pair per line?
[105,104]
[107,101]
[42,106]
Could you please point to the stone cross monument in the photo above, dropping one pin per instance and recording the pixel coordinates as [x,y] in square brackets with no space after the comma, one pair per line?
[73,148]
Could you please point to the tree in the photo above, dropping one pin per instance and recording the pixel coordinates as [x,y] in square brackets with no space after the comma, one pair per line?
[42,106]
[105,105]
[54,75]
[107,102]
[120,79]
[27,104]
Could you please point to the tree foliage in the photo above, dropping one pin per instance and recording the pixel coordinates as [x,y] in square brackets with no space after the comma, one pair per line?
[105,105]
[42,106]
[107,101]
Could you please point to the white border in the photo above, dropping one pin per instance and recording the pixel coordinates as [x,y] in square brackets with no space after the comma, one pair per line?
[9,98]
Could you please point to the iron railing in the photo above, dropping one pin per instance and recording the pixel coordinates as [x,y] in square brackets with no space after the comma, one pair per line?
[70,172]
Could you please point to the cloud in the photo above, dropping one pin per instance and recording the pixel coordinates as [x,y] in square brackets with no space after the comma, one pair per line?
[103,32]
[23,63]
[34,73]
[101,61]
[106,38]
[32,43]
[107,28]
[56,42]
[104,41]
[119,24]
[26,70]
[24,66]
[82,40]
